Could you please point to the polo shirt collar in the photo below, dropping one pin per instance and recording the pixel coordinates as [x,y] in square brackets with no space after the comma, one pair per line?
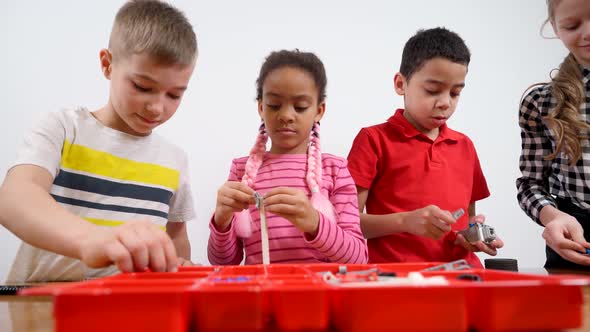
[409,131]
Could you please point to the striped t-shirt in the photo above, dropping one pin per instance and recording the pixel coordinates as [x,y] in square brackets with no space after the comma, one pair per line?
[341,241]
[104,176]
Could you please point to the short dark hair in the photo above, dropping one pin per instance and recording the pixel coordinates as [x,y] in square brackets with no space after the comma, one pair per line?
[429,44]
[306,61]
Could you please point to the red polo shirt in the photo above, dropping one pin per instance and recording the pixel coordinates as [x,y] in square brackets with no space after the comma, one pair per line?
[405,170]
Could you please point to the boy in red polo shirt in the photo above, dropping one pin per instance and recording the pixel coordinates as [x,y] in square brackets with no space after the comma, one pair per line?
[412,170]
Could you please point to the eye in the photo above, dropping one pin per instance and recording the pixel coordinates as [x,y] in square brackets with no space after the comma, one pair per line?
[431,92]
[140,88]
[274,107]
[455,94]
[570,27]
[173,96]
[300,109]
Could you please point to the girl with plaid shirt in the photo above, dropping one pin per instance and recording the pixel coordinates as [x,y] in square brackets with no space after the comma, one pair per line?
[554,189]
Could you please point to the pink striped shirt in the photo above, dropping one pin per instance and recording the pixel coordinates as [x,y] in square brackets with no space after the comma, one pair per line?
[340,242]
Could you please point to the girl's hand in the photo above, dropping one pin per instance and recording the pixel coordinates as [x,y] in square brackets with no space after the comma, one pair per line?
[429,221]
[565,235]
[293,205]
[488,248]
[232,197]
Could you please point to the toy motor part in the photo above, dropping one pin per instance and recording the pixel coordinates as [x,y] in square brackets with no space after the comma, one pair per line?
[457,265]
[373,280]
[479,232]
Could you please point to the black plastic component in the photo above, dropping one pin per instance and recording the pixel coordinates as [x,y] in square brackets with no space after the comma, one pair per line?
[506,264]
[11,289]
[469,277]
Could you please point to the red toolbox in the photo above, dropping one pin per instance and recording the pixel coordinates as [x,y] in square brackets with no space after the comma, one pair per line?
[318,297]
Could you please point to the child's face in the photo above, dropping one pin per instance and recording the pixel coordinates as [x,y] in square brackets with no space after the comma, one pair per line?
[571,23]
[432,94]
[144,94]
[289,108]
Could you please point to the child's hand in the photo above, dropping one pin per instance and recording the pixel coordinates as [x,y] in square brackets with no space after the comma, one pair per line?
[232,197]
[565,235]
[184,262]
[293,205]
[490,249]
[133,246]
[429,221]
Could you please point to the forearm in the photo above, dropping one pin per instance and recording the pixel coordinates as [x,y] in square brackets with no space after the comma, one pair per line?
[178,235]
[533,198]
[183,248]
[224,248]
[532,187]
[374,225]
[377,225]
[340,243]
[28,211]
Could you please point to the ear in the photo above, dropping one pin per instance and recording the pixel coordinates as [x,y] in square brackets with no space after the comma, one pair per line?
[399,84]
[260,108]
[106,62]
[321,111]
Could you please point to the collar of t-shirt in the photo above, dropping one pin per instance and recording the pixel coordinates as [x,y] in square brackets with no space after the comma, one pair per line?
[408,130]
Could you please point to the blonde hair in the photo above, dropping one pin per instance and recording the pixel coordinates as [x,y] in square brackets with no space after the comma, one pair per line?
[155,28]
[568,91]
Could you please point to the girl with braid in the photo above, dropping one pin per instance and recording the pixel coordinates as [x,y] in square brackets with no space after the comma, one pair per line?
[554,189]
[309,196]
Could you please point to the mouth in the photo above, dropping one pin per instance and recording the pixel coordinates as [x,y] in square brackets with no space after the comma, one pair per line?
[439,120]
[286,131]
[148,121]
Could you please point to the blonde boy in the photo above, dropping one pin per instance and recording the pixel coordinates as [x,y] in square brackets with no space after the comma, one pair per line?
[92,192]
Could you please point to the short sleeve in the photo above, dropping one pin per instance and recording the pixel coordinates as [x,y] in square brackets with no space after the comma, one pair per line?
[363,158]
[480,186]
[42,145]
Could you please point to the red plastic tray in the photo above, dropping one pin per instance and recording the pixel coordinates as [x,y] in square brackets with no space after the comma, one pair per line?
[296,298]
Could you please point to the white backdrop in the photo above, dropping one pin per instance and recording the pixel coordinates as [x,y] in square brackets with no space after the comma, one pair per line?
[49,57]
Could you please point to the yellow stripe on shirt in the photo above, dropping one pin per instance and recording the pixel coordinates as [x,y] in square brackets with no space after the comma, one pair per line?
[85,159]
[111,223]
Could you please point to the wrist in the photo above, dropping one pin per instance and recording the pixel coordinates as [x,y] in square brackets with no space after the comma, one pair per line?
[314,226]
[221,223]
[549,213]
[80,238]
[402,221]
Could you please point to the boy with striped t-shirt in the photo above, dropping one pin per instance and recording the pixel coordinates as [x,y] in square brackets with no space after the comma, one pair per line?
[93,193]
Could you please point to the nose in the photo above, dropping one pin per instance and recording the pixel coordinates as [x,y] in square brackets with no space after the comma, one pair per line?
[443,103]
[154,107]
[586,31]
[287,114]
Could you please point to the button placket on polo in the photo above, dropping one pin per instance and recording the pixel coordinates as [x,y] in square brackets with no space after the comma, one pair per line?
[434,153]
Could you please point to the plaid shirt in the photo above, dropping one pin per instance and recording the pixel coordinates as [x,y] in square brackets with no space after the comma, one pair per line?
[541,179]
